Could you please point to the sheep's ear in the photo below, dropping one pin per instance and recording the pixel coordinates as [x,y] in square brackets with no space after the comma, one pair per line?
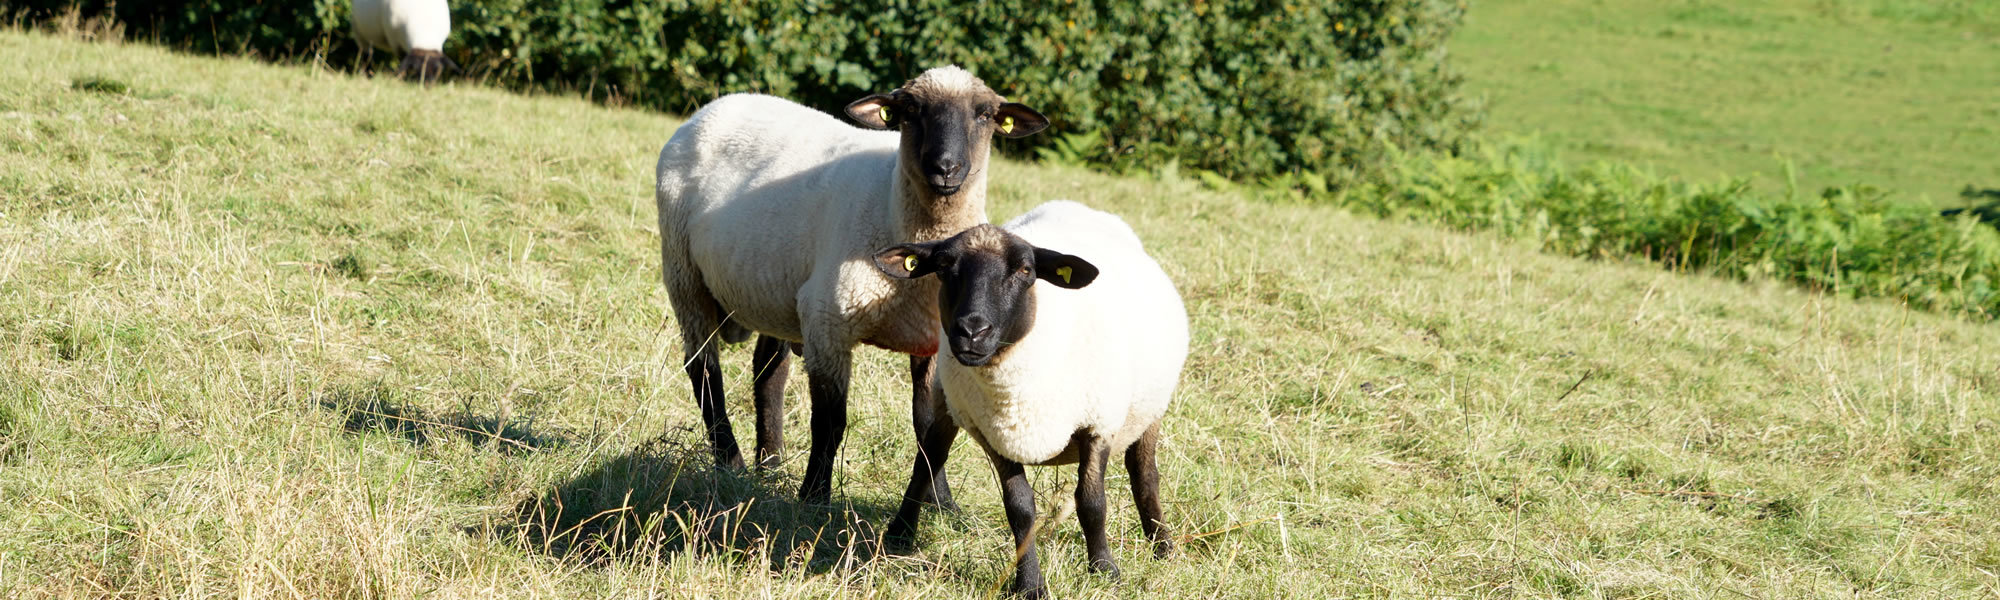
[1062,269]
[906,261]
[1016,120]
[875,112]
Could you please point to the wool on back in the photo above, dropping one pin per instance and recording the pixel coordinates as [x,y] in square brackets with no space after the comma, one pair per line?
[787,194]
[402,25]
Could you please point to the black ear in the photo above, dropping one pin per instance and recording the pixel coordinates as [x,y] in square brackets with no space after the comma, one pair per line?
[1062,269]
[906,261]
[1016,120]
[877,111]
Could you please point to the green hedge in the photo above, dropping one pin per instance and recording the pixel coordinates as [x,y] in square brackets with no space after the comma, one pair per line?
[1852,241]
[1246,88]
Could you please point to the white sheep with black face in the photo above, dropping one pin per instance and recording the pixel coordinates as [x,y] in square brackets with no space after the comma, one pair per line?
[769,212]
[1067,342]
[415,28]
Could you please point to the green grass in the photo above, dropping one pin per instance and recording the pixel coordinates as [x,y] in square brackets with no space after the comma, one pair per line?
[272,331]
[1899,94]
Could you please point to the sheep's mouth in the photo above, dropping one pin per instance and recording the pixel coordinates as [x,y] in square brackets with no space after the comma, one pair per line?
[941,187]
[972,358]
[972,352]
[944,182]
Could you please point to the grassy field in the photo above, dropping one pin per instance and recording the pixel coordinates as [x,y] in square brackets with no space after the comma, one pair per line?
[275,331]
[1899,94]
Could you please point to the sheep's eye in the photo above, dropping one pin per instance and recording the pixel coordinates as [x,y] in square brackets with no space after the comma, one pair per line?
[887,115]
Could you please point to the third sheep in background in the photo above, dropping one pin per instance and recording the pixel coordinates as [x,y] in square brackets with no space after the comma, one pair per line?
[415,28]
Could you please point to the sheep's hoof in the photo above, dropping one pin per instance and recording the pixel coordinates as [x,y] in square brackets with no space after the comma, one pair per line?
[1106,568]
[816,494]
[1035,593]
[733,463]
[1163,549]
[899,543]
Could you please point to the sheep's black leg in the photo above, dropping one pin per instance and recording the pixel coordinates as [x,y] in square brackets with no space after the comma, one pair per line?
[1020,500]
[927,407]
[705,372]
[772,364]
[1092,453]
[364,60]
[1141,467]
[826,379]
[933,447]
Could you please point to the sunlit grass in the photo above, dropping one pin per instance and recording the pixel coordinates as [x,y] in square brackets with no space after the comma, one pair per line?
[276,331]
[1897,94]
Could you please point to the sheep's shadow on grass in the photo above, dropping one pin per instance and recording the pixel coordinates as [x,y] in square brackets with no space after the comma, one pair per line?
[373,409]
[667,497]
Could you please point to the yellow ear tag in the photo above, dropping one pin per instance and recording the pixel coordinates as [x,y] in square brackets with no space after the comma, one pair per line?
[884,112]
[1006,124]
[1063,272]
[910,263]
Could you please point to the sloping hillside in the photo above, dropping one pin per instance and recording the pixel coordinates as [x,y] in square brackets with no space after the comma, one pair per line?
[1897,94]
[275,331]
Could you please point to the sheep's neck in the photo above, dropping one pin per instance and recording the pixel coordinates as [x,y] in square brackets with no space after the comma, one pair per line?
[925,216]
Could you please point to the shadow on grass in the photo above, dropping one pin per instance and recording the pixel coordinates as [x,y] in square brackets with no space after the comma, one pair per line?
[666,497]
[661,498]
[373,409]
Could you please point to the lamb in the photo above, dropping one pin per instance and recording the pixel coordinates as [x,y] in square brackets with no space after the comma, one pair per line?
[769,212]
[416,28]
[1043,375]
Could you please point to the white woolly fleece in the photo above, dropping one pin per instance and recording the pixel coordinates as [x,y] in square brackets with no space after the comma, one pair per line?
[402,25]
[775,210]
[1106,357]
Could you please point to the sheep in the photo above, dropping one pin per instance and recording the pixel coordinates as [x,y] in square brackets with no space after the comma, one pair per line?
[768,214]
[1044,375]
[416,28]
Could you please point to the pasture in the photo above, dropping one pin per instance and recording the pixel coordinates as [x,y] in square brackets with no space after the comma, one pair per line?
[280,332]
[1898,94]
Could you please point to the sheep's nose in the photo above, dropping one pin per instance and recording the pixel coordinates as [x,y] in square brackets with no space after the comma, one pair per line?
[973,327]
[948,166]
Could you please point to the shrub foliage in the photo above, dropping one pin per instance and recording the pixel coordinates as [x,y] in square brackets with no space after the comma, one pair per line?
[1853,241]
[1248,88]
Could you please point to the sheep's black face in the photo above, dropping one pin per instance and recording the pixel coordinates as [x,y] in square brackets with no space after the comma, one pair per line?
[948,119]
[986,299]
[942,132]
